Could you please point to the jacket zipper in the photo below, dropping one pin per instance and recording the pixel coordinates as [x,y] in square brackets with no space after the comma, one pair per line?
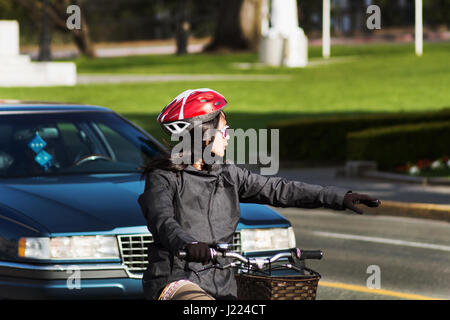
[211,228]
[209,209]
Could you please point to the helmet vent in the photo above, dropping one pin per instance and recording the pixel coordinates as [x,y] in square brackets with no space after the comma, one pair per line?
[177,127]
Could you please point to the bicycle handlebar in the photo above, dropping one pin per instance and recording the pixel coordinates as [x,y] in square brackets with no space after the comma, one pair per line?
[261,262]
[310,254]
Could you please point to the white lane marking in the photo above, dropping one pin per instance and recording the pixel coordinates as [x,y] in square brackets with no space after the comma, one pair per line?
[382,240]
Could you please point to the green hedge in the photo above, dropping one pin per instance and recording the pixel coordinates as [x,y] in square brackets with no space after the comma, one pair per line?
[397,145]
[324,139]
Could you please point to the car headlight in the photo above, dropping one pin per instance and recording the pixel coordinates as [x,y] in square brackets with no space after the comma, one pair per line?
[76,247]
[267,239]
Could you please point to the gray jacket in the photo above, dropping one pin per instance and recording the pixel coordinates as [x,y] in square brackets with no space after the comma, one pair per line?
[204,206]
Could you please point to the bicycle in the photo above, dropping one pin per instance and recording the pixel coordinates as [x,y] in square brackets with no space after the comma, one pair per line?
[255,278]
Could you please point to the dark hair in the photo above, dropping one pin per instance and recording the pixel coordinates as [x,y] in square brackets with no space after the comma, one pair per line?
[165,161]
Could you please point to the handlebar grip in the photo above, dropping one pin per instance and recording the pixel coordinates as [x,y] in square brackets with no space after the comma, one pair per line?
[182,254]
[309,254]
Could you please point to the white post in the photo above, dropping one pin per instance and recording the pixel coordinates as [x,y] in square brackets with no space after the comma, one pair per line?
[9,38]
[419,28]
[265,18]
[326,29]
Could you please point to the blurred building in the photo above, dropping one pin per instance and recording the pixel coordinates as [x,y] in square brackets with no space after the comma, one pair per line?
[130,20]
[348,17]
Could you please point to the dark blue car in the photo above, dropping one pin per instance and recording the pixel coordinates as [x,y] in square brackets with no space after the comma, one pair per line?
[70,224]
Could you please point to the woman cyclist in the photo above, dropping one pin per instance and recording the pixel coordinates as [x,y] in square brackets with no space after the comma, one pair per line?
[190,203]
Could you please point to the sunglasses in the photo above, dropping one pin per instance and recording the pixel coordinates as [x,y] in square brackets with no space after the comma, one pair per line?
[224,132]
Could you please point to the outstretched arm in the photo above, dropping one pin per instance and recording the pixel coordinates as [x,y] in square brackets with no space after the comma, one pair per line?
[281,192]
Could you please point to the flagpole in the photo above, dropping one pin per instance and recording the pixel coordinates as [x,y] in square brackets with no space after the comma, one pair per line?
[326,29]
[419,28]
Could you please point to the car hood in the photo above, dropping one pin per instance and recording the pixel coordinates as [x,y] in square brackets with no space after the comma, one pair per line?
[74,204]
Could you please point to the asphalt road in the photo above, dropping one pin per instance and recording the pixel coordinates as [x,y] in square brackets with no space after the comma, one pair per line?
[412,255]
[381,189]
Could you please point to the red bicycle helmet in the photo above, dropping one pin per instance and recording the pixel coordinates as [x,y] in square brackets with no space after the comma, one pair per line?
[200,105]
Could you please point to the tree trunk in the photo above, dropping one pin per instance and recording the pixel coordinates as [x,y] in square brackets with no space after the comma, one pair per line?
[82,37]
[83,43]
[228,33]
[250,22]
[183,27]
[45,53]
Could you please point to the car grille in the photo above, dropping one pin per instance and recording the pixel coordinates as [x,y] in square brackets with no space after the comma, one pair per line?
[133,250]
[236,245]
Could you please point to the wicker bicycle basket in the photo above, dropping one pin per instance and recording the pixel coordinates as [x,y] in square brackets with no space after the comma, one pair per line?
[266,287]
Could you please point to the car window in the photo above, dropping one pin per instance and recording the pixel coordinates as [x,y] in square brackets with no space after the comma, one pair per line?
[76,138]
[124,150]
[71,143]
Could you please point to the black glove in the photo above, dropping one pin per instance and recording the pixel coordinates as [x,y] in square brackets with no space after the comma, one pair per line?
[351,199]
[198,252]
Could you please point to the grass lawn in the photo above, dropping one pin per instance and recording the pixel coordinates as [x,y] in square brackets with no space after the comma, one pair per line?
[374,78]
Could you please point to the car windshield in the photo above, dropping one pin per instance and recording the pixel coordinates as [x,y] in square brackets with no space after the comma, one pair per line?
[42,144]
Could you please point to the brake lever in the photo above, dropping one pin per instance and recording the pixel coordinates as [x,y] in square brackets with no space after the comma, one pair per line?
[211,266]
[295,260]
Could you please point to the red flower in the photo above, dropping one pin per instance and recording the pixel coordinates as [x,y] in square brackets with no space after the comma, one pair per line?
[401,169]
[423,163]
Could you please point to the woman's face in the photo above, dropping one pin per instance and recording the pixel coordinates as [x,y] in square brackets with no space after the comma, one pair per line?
[220,140]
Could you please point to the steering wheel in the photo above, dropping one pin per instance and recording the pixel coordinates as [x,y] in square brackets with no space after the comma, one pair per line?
[91,157]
